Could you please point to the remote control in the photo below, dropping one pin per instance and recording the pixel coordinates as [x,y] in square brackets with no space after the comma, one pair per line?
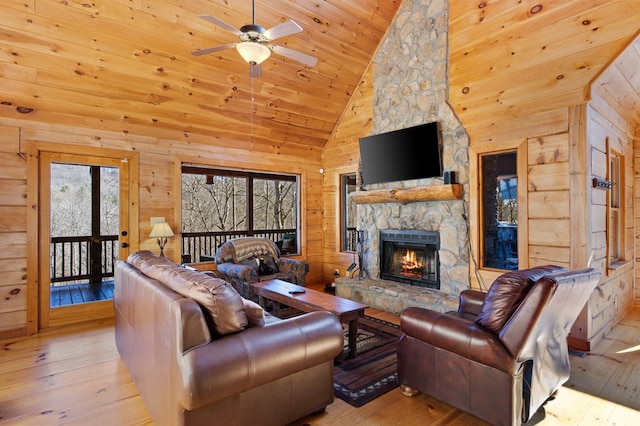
[296,291]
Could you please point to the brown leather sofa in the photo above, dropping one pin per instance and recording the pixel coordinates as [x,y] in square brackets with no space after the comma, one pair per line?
[200,354]
[503,353]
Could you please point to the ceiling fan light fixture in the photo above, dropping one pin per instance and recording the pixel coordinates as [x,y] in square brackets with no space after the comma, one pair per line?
[253,52]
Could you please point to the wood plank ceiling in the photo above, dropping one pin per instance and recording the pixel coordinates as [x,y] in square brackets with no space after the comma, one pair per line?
[510,59]
[129,63]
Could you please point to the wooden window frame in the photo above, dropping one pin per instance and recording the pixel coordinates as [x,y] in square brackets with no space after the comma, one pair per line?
[344,203]
[616,223]
[483,277]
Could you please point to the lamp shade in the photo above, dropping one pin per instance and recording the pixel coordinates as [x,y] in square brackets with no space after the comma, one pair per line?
[161,230]
[253,52]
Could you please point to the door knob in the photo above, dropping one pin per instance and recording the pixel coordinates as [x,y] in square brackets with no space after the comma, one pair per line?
[124,245]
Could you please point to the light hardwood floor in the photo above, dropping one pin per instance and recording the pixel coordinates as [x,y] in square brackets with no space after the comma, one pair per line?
[74,376]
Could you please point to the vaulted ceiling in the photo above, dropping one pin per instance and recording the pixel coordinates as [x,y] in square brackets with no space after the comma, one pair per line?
[130,63]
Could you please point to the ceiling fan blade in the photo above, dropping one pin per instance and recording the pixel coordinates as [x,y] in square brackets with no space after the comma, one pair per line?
[303,58]
[255,70]
[220,23]
[281,30]
[213,49]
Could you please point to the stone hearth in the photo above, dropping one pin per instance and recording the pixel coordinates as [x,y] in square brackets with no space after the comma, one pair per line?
[394,297]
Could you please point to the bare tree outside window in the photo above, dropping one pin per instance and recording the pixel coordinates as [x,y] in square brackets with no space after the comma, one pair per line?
[84,223]
[109,201]
[221,204]
[507,203]
[274,204]
[213,203]
[70,200]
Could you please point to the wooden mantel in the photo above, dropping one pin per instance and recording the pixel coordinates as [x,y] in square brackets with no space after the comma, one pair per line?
[409,195]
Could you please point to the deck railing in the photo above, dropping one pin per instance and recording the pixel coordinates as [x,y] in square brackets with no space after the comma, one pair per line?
[71,257]
[83,259]
[198,244]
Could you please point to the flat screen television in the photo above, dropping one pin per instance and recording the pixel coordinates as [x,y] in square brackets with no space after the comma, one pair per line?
[411,153]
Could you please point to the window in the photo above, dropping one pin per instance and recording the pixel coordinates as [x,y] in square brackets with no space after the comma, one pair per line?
[218,205]
[499,211]
[615,236]
[347,213]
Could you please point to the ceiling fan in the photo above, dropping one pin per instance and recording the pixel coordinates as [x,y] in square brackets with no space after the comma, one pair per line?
[254,44]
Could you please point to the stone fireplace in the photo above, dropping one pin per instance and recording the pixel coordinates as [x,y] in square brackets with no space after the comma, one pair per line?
[411,85]
[448,272]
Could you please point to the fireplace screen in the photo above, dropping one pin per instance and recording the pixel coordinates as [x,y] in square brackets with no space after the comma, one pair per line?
[410,257]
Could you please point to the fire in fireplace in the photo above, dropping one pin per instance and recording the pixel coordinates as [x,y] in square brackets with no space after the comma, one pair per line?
[410,257]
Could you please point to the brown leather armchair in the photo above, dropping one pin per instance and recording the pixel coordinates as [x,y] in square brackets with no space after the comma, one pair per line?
[238,262]
[503,353]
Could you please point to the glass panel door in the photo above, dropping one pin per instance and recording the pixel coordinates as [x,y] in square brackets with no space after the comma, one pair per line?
[83,230]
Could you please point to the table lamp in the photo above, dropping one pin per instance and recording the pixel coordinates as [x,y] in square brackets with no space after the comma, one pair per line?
[161,231]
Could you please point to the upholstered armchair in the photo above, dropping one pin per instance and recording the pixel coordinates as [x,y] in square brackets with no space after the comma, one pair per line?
[503,353]
[246,260]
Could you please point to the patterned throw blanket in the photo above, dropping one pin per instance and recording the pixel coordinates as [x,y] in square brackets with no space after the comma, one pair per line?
[248,247]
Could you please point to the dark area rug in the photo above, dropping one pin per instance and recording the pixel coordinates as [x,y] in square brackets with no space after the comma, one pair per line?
[373,372]
[577,353]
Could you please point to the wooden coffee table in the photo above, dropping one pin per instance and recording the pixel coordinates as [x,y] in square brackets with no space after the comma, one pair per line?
[311,300]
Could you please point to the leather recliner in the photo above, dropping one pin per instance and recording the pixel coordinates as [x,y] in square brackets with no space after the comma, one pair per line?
[503,353]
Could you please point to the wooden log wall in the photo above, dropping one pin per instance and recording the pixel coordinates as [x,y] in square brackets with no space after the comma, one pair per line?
[548,200]
[615,295]
[341,156]
[160,156]
[13,236]
[612,119]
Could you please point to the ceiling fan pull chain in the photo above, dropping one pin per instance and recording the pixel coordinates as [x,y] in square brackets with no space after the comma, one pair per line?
[252,114]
